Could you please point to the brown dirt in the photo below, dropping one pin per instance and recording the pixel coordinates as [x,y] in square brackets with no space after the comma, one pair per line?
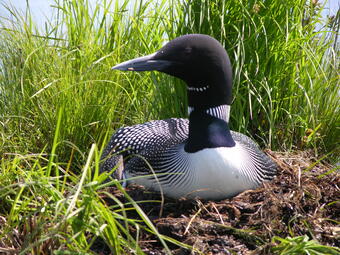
[299,201]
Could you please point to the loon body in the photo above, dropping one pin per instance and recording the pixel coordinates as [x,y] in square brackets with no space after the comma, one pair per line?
[195,157]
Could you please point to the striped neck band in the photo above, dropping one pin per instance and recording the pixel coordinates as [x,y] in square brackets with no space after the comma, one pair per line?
[199,89]
[221,111]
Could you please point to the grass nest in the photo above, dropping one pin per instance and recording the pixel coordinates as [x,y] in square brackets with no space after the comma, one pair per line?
[302,200]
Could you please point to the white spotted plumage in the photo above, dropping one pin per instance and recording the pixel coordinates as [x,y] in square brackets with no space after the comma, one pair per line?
[211,173]
[202,158]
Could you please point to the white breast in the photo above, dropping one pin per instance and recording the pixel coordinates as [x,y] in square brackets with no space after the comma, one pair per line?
[212,173]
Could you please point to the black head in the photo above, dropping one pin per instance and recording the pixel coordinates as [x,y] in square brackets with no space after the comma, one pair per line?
[199,60]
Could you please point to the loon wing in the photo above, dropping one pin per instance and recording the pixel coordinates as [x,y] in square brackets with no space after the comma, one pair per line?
[157,144]
[263,167]
[134,140]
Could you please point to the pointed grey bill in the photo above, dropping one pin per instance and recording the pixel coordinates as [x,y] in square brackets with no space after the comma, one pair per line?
[145,63]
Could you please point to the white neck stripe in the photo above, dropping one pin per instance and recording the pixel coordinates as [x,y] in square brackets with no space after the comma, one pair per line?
[221,111]
[200,89]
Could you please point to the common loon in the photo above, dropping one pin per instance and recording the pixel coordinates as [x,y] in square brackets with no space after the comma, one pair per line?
[199,157]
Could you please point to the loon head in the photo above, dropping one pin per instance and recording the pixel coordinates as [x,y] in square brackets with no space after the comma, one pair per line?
[199,60]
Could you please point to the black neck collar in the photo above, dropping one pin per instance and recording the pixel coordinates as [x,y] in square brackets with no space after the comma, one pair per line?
[207,131]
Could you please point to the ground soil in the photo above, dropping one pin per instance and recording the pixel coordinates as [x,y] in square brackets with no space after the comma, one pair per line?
[303,199]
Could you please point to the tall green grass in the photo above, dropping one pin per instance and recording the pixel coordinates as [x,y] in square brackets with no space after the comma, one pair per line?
[66,213]
[58,96]
[286,69]
[69,67]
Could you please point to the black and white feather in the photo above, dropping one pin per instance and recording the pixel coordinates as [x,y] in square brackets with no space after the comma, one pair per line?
[154,157]
[198,157]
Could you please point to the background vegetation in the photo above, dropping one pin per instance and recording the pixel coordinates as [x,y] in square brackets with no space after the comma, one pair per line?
[58,96]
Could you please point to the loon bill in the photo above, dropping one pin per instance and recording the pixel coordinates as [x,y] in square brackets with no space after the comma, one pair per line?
[195,157]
